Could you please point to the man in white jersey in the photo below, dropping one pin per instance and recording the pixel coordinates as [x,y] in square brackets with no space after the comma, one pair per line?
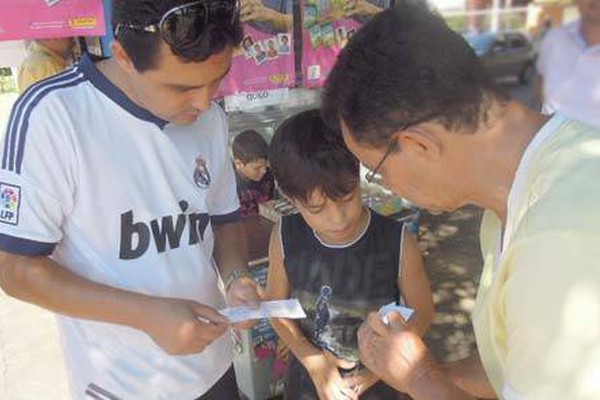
[422,113]
[118,203]
[568,78]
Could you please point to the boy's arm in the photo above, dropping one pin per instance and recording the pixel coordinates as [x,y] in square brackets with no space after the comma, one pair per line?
[414,284]
[325,375]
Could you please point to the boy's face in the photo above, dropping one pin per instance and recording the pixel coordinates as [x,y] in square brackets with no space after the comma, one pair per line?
[335,221]
[254,170]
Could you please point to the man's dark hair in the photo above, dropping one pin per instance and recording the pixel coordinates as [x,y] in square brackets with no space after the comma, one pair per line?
[249,146]
[404,65]
[143,47]
[307,155]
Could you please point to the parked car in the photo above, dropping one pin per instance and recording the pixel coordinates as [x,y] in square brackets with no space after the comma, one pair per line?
[505,54]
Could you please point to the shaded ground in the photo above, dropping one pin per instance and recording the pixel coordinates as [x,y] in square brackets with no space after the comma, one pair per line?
[450,247]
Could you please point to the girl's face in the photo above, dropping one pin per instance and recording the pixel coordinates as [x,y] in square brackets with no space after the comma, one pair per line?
[335,221]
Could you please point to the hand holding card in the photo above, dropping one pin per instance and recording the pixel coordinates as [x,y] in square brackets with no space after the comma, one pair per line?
[388,308]
[268,309]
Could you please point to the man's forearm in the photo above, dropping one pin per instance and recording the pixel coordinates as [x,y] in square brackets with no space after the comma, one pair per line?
[469,375]
[45,283]
[231,251]
[432,383]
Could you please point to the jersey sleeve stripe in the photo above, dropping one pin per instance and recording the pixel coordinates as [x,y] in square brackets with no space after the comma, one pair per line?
[17,111]
[17,128]
[23,131]
[7,137]
[25,247]
[226,218]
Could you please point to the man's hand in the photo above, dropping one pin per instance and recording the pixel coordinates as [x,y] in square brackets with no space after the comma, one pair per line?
[329,383]
[182,326]
[394,353]
[244,291]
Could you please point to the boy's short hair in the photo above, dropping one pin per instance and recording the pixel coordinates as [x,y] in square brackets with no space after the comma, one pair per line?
[307,155]
[249,146]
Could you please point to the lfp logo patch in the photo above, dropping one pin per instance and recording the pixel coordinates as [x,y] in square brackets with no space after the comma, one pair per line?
[10,199]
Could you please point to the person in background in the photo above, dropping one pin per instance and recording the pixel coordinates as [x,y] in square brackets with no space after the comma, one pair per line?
[254,180]
[47,57]
[568,77]
[340,259]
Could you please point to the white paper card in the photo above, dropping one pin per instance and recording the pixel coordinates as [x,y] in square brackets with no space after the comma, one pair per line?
[388,308]
[268,309]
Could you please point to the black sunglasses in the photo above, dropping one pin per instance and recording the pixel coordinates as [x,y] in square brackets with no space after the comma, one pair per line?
[183,26]
[393,145]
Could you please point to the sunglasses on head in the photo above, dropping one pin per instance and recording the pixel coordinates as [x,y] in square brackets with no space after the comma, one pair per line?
[183,26]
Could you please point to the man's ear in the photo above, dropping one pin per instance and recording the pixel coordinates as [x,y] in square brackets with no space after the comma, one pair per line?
[122,58]
[419,143]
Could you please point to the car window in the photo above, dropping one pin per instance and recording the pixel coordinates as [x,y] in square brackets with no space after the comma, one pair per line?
[480,42]
[517,42]
[499,44]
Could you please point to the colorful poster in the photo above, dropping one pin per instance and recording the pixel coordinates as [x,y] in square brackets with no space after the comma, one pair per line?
[265,59]
[327,25]
[37,19]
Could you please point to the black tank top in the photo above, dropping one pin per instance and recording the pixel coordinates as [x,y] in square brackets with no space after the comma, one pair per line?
[338,286]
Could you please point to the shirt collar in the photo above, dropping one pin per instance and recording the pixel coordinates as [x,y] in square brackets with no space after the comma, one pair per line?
[101,82]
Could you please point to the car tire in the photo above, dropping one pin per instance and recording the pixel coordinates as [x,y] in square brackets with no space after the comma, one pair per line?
[526,75]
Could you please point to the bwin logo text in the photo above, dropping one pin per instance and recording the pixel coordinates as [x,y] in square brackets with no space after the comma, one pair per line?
[135,236]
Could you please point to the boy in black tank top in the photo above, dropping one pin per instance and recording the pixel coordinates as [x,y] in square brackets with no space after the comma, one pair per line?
[340,259]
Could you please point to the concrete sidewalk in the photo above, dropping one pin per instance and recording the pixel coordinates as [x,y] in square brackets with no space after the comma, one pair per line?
[31,362]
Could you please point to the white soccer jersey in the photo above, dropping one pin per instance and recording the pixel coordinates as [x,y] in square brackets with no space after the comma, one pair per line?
[119,197]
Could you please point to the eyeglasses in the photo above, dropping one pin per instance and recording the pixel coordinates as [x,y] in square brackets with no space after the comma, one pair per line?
[370,175]
[393,145]
[183,26]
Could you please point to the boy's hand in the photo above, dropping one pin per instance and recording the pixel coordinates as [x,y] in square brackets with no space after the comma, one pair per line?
[182,326]
[329,383]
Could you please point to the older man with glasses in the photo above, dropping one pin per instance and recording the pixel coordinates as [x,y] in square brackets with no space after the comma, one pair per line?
[119,207]
[415,105]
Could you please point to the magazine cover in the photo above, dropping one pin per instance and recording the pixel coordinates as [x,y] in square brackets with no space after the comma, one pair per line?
[327,25]
[265,58]
[34,19]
